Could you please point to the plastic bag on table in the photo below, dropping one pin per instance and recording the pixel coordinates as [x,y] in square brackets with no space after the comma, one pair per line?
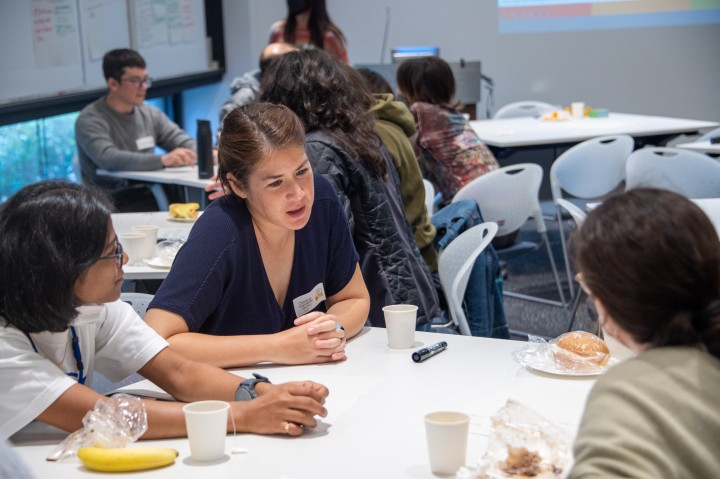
[113,422]
[521,444]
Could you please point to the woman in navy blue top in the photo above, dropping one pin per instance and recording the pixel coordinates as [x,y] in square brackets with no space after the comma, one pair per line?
[269,271]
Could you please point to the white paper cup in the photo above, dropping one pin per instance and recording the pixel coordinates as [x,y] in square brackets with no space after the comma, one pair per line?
[447,435]
[206,423]
[400,325]
[151,232]
[133,244]
[577,108]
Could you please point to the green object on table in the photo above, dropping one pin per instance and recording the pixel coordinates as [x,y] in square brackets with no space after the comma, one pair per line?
[598,113]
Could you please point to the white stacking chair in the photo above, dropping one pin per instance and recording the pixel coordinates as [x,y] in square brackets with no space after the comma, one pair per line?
[686,172]
[455,265]
[589,171]
[508,196]
[429,197]
[138,301]
[103,385]
[709,134]
[520,109]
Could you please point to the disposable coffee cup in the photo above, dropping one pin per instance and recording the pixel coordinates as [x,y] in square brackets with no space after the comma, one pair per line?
[447,435]
[400,322]
[206,423]
[133,244]
[577,109]
[150,232]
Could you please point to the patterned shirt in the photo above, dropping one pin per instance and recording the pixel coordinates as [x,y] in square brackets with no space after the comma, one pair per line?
[449,151]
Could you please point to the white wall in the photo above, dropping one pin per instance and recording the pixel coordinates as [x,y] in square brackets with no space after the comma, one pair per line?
[672,71]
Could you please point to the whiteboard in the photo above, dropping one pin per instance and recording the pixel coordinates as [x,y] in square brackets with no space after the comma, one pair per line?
[50,48]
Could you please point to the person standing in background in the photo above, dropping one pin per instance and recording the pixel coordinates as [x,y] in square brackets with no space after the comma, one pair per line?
[308,23]
[120,132]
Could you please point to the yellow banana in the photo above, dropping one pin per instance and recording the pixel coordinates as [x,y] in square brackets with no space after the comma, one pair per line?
[122,459]
[184,210]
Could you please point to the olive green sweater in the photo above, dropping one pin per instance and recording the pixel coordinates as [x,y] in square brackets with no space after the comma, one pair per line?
[654,416]
[394,125]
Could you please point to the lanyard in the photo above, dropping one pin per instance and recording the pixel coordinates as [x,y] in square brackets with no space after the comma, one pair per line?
[76,352]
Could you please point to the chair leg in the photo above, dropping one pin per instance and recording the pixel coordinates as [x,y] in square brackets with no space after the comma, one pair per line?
[159,194]
[554,268]
[575,307]
[563,244]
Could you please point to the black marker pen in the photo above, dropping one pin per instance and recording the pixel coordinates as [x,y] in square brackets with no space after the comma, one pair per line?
[422,354]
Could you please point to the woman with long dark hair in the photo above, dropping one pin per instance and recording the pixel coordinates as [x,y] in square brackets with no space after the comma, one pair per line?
[308,23]
[61,320]
[650,259]
[341,145]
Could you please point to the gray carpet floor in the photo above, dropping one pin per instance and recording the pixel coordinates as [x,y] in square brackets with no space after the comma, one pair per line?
[532,274]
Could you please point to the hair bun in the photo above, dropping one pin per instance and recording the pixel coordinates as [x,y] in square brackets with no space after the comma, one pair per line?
[579,351]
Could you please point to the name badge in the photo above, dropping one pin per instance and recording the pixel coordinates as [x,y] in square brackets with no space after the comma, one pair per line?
[307,302]
[145,143]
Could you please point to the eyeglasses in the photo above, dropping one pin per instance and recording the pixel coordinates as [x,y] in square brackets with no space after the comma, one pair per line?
[136,82]
[118,256]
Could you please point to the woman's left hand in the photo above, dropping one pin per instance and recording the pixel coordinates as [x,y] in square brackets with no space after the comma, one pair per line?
[328,332]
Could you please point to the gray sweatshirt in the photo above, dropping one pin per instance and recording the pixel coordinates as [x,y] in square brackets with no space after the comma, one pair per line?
[113,141]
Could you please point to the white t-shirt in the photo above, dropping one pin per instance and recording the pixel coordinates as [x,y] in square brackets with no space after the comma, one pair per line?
[113,340]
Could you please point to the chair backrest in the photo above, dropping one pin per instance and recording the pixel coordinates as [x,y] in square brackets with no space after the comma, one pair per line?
[455,265]
[429,197]
[710,134]
[77,171]
[524,108]
[577,214]
[507,196]
[689,173]
[138,301]
[591,169]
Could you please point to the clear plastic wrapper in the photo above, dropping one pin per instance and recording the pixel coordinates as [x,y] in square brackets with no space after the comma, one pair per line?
[522,444]
[165,251]
[113,422]
[548,357]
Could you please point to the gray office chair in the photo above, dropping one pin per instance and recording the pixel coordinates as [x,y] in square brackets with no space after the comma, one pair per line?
[520,109]
[155,188]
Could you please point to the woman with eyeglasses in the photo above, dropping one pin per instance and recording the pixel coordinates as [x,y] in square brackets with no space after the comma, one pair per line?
[62,320]
[650,259]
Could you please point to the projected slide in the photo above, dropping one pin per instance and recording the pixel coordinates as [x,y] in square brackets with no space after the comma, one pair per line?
[528,16]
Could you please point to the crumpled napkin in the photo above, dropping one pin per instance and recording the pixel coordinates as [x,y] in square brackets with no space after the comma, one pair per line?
[114,422]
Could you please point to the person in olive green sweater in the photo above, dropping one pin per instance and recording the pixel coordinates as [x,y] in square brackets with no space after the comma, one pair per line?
[650,259]
[395,125]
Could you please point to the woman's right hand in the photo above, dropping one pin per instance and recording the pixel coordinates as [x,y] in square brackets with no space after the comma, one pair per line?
[306,342]
[286,408]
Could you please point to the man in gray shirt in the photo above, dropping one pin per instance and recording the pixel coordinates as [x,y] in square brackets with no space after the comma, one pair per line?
[120,132]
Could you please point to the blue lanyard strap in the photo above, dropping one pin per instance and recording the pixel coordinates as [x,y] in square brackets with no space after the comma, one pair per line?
[76,352]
